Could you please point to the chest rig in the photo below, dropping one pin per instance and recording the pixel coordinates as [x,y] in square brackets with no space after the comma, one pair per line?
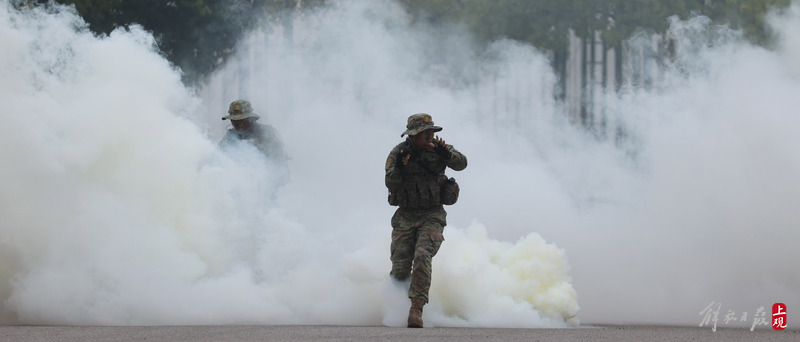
[421,187]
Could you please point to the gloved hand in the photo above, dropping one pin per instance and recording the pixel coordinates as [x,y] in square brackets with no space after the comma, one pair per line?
[402,159]
[441,149]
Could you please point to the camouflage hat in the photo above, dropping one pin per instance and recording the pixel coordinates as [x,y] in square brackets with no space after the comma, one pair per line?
[419,122]
[239,110]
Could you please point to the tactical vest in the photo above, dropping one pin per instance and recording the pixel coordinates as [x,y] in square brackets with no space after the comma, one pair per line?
[420,188]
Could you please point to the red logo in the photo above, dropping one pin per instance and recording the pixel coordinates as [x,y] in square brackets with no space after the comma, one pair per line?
[778,316]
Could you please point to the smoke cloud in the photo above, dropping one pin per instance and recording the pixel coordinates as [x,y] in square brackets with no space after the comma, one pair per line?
[119,209]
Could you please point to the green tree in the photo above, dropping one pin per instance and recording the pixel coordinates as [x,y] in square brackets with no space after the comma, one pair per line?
[197,35]
[545,23]
[747,15]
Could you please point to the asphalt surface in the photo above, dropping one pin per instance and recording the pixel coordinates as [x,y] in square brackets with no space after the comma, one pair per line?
[358,333]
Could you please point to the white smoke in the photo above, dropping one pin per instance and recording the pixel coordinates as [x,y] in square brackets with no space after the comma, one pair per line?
[339,92]
[122,211]
[118,208]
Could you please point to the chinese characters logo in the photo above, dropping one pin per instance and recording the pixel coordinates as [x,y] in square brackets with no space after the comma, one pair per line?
[779,316]
[711,316]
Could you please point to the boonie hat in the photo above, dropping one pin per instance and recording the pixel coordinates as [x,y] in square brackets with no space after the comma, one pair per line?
[419,122]
[240,110]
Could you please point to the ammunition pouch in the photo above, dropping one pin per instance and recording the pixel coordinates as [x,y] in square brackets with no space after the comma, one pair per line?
[418,195]
[449,192]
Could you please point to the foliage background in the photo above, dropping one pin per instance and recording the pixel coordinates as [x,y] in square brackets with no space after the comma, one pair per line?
[198,35]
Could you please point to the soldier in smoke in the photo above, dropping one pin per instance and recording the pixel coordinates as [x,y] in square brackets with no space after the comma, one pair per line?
[417,184]
[264,137]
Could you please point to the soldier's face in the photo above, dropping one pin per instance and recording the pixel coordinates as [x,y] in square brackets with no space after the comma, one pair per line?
[241,125]
[423,139]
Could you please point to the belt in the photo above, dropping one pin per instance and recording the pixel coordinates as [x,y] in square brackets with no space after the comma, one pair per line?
[421,210]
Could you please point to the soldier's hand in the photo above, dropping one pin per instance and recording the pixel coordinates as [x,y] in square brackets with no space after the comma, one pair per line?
[441,149]
[402,159]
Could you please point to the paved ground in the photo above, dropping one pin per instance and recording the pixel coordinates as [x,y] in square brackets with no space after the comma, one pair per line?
[353,333]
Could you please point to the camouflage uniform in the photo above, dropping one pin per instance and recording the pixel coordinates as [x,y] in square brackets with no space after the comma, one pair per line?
[418,223]
[263,137]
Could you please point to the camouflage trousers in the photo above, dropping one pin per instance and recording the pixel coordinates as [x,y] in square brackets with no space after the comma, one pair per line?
[416,237]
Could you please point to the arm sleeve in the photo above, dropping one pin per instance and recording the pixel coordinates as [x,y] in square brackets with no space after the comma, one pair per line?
[276,149]
[458,162]
[225,142]
[393,176]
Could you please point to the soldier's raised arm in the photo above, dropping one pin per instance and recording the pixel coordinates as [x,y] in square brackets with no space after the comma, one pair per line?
[458,161]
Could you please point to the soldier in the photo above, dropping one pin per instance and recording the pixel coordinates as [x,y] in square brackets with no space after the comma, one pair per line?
[263,137]
[417,184]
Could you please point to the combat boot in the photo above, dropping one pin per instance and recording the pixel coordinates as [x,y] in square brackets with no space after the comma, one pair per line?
[415,313]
